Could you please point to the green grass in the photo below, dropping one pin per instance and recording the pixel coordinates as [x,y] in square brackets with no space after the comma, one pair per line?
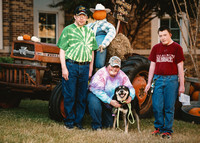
[30,123]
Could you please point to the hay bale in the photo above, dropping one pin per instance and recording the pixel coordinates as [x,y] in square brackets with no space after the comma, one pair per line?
[120,46]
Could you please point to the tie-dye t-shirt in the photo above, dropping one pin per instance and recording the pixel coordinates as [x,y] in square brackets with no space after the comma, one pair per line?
[103,85]
[78,43]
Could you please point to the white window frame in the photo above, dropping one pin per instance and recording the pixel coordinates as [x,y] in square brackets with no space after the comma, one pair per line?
[56,22]
[1,26]
[174,28]
[42,6]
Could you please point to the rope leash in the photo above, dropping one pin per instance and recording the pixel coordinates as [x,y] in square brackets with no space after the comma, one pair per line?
[129,114]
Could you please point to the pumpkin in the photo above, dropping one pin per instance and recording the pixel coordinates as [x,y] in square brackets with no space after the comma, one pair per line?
[26,37]
[99,14]
[195,95]
[195,111]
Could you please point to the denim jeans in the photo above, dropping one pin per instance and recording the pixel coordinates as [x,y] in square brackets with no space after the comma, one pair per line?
[163,99]
[101,115]
[74,91]
[100,58]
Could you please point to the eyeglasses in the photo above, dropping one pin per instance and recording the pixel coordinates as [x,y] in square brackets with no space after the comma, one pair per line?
[81,16]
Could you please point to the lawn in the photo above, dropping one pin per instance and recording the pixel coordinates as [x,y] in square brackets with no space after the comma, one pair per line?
[30,123]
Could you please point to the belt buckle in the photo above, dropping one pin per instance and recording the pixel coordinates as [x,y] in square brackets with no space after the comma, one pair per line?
[79,63]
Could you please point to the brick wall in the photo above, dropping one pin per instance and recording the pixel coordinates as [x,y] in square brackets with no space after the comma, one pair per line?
[17,19]
[143,38]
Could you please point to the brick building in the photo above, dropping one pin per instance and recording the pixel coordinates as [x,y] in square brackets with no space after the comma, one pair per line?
[36,18]
[32,17]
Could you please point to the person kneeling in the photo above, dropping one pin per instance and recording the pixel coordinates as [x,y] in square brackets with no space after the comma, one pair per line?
[101,91]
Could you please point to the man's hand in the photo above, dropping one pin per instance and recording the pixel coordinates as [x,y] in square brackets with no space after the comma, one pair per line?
[181,78]
[90,72]
[91,65]
[147,88]
[101,48]
[181,89]
[115,104]
[65,73]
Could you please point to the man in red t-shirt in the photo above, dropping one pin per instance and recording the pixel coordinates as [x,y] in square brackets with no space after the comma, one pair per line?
[165,69]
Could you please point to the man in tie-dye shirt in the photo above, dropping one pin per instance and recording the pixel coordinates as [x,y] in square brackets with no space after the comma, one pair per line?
[102,87]
[77,44]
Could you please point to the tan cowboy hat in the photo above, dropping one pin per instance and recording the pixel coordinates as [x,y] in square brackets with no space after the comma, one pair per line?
[100,7]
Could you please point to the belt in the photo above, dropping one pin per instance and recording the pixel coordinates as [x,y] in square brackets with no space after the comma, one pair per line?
[78,63]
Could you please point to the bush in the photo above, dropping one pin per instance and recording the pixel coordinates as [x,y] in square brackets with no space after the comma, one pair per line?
[6,60]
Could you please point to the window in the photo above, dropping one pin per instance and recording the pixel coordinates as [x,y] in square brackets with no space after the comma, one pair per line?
[47,27]
[174,28]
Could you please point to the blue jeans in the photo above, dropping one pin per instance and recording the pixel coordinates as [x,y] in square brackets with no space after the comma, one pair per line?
[163,99]
[74,91]
[100,58]
[101,115]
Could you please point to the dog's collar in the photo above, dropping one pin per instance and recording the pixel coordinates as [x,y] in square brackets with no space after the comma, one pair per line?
[124,101]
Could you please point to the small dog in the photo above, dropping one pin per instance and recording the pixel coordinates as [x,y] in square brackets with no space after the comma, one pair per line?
[121,94]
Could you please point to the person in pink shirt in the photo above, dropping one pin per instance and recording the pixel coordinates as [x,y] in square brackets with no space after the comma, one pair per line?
[101,91]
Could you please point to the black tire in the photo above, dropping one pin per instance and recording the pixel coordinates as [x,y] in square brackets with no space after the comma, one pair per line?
[9,100]
[136,67]
[55,111]
[51,103]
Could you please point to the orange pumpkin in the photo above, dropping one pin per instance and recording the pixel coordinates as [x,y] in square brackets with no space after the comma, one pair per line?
[195,95]
[26,37]
[99,14]
[195,111]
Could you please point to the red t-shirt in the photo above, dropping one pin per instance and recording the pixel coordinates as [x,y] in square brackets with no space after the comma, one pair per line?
[166,58]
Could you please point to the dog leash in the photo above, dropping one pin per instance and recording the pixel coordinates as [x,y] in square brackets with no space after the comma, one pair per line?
[129,113]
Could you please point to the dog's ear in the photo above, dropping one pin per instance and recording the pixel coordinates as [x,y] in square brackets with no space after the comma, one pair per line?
[116,90]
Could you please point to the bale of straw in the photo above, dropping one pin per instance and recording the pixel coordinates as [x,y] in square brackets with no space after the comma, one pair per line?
[120,46]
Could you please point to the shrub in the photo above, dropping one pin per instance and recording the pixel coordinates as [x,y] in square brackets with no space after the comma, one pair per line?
[6,60]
